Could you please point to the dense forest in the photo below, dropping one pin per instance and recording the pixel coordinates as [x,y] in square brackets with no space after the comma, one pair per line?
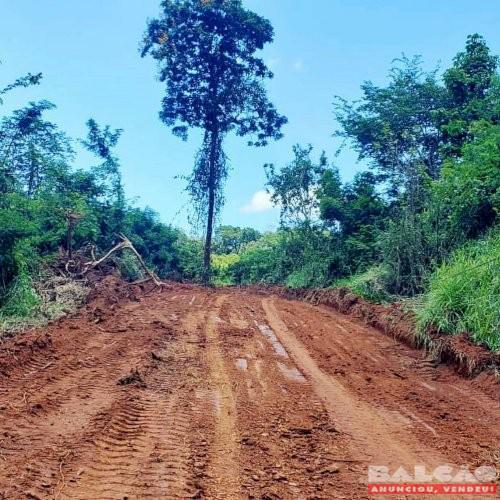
[418,225]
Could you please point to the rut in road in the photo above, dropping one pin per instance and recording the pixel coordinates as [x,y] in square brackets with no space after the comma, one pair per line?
[234,395]
[371,433]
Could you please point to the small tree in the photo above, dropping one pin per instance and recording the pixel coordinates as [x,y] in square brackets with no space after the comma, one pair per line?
[32,149]
[101,141]
[205,50]
[294,187]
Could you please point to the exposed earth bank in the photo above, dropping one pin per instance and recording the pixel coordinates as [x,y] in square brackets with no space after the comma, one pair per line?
[193,393]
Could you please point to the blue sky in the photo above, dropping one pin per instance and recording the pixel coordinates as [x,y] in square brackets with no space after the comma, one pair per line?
[88,53]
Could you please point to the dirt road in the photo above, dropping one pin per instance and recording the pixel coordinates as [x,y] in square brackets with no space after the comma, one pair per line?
[191,393]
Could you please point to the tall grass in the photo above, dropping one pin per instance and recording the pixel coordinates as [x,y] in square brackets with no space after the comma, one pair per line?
[464,293]
[21,298]
[371,285]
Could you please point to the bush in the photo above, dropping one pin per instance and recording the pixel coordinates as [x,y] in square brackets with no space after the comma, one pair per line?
[464,293]
[406,255]
[260,261]
[129,267]
[311,274]
[21,299]
[222,267]
[371,285]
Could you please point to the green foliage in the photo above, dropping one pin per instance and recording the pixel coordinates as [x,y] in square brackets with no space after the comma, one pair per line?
[357,213]
[371,285]
[128,266]
[101,142]
[401,229]
[21,299]
[259,261]
[293,256]
[406,254]
[231,239]
[190,256]
[155,241]
[313,273]
[472,93]
[464,293]
[465,201]
[39,189]
[32,148]
[293,188]
[395,127]
[222,265]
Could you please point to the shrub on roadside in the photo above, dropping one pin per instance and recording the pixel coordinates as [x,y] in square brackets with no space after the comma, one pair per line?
[371,285]
[222,265]
[464,293]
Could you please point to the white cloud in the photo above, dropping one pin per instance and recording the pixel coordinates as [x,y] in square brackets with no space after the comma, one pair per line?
[260,202]
[298,65]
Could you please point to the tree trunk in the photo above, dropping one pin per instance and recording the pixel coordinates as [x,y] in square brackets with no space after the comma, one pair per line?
[212,181]
[69,240]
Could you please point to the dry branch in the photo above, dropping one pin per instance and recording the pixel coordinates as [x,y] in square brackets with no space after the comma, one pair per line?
[125,243]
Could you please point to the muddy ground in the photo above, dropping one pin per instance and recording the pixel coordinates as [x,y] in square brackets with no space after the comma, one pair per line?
[193,393]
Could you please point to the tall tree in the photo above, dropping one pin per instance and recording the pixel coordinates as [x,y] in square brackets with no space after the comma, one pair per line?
[24,81]
[214,81]
[395,127]
[473,93]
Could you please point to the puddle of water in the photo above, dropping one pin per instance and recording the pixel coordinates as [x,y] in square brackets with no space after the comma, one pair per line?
[241,364]
[291,373]
[271,336]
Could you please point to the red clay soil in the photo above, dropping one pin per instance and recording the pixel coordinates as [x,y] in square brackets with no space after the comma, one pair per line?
[195,393]
[393,319]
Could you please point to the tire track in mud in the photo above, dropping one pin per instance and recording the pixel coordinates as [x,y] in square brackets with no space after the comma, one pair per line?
[144,453]
[124,441]
[372,439]
[439,409]
[288,446]
[224,462]
[53,412]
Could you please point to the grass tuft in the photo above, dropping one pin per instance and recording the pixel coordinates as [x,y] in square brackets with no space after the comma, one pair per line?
[370,285]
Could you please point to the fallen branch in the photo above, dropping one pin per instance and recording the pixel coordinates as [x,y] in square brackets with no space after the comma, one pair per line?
[125,243]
